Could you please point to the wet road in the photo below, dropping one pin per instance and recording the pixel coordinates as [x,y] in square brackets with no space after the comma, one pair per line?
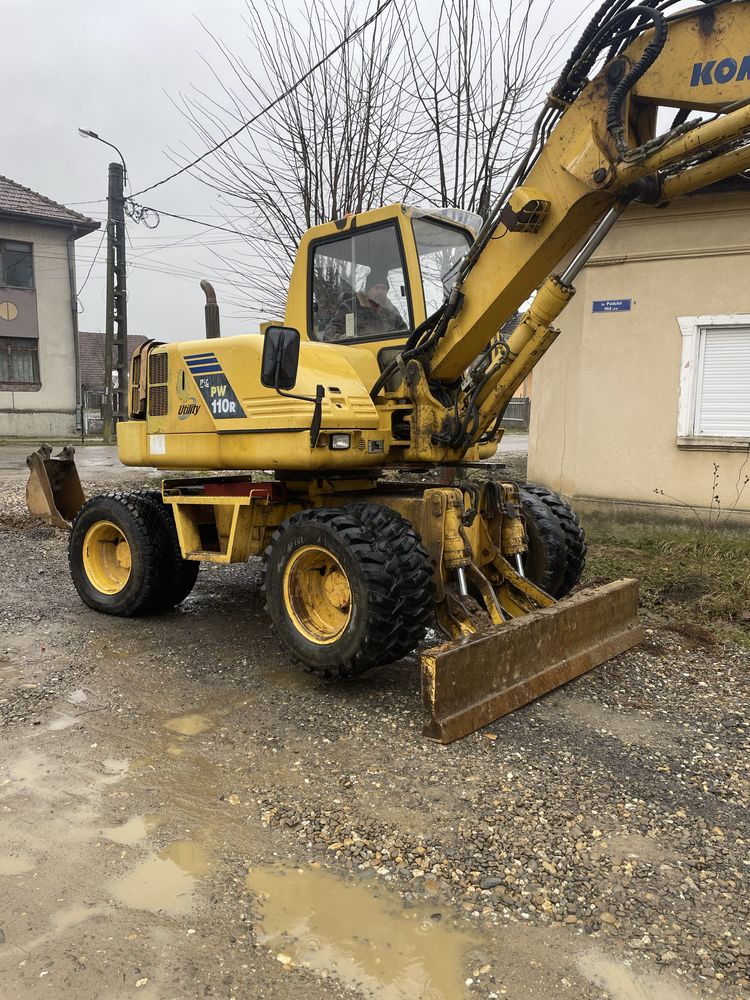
[183,814]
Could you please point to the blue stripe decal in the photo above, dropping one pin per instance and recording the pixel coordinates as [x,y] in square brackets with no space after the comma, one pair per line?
[215,370]
[203,361]
[196,357]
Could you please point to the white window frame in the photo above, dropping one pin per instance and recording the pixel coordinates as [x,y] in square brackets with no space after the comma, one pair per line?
[691,328]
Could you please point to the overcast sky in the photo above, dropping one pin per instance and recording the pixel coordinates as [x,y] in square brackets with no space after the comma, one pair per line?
[115,67]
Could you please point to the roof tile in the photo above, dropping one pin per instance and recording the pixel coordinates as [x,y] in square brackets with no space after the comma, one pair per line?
[91,348]
[15,199]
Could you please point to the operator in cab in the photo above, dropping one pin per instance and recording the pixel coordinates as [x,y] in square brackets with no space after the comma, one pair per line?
[373,312]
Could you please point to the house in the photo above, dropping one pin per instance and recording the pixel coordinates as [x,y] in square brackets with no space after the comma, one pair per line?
[91,349]
[647,389]
[39,384]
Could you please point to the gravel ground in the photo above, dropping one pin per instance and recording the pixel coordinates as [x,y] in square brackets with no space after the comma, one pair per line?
[593,844]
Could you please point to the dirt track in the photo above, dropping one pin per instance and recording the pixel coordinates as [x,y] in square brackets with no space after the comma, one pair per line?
[173,794]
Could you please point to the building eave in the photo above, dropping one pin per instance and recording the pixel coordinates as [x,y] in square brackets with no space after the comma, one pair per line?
[82,228]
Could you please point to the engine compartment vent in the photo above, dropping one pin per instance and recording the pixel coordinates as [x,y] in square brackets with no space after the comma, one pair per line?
[158,400]
[158,367]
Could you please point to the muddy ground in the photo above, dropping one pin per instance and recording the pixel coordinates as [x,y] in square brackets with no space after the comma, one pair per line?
[182,814]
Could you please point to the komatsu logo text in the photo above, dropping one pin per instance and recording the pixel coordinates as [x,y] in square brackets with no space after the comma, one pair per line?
[723,71]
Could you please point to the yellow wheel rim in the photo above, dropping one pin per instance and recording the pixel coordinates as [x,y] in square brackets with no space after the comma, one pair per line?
[106,557]
[317,594]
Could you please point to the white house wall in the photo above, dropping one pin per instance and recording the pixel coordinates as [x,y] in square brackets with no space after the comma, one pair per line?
[50,410]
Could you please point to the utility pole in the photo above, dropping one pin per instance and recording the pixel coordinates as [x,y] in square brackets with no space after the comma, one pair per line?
[116,329]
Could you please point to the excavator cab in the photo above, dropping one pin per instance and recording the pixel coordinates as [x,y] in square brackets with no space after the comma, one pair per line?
[369,280]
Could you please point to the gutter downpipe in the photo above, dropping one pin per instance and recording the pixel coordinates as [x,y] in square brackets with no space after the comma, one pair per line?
[74,317]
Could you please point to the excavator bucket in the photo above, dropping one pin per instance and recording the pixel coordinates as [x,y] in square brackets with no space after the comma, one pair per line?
[470,682]
[54,491]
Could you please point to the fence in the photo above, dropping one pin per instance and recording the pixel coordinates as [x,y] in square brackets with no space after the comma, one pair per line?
[517,413]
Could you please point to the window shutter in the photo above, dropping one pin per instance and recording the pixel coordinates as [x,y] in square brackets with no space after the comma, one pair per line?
[723,396]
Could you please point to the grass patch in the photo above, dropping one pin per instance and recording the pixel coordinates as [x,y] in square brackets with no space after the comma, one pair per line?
[698,588]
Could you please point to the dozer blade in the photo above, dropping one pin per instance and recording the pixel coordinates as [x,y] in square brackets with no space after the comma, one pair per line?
[54,491]
[469,683]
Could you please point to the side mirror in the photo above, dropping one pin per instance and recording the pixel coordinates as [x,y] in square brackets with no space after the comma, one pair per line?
[280,362]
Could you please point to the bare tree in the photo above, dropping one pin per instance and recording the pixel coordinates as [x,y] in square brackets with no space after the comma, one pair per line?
[326,149]
[474,82]
[409,110]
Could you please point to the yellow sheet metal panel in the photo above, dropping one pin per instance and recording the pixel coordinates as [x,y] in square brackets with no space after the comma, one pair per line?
[706,63]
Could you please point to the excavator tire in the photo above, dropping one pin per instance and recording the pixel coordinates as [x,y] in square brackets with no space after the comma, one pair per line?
[116,553]
[575,536]
[332,593]
[546,559]
[179,574]
[416,588]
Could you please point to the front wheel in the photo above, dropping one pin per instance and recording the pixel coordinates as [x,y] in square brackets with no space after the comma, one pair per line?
[574,560]
[331,592]
[115,555]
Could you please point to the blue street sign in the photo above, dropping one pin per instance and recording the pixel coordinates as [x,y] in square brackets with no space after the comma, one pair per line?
[611,305]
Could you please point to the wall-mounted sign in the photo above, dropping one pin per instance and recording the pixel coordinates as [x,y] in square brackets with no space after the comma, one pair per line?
[611,305]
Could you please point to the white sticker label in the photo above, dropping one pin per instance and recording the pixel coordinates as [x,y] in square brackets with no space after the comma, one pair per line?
[350,324]
[157,444]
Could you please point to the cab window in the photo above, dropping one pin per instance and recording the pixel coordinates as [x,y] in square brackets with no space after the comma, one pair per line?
[359,289]
[439,247]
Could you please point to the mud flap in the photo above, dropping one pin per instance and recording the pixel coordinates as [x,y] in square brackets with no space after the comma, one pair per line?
[468,683]
[54,491]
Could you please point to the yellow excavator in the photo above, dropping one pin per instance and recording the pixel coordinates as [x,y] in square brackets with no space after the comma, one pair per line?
[396,354]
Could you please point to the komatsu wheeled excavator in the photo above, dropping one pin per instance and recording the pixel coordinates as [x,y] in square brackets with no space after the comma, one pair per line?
[397,353]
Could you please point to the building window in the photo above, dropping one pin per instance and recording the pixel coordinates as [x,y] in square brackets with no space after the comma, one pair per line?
[715,380]
[16,266]
[19,364]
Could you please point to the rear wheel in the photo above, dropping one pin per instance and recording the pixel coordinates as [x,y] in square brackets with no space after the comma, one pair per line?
[414,580]
[179,575]
[573,533]
[331,592]
[115,553]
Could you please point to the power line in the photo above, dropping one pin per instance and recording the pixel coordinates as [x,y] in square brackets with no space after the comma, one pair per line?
[196,222]
[277,100]
[91,267]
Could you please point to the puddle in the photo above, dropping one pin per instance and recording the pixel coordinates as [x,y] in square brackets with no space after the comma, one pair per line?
[623,983]
[313,918]
[63,722]
[165,882]
[29,772]
[114,768]
[287,680]
[191,724]
[191,857]
[213,714]
[136,829]
[36,774]
[11,864]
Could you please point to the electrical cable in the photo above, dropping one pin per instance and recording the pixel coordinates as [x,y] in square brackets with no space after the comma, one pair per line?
[91,266]
[277,100]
